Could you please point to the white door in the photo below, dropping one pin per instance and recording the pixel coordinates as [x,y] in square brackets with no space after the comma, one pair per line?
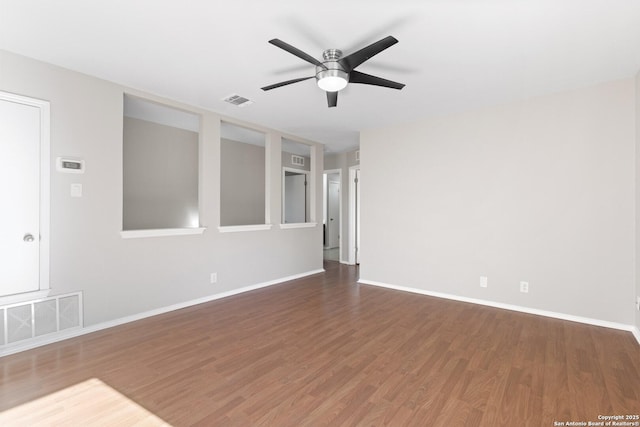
[20,136]
[333,220]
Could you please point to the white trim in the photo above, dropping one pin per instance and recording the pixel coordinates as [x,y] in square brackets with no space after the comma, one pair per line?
[545,313]
[298,225]
[161,232]
[240,228]
[45,179]
[45,200]
[351,260]
[139,316]
[290,169]
[636,333]
[24,297]
[268,158]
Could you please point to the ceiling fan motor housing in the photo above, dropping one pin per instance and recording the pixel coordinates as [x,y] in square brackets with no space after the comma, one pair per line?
[332,78]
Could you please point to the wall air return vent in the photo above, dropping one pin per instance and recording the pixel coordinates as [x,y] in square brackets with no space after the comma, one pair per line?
[297,160]
[237,100]
[31,319]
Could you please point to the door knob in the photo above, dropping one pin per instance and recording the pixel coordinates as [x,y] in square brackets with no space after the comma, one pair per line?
[28,238]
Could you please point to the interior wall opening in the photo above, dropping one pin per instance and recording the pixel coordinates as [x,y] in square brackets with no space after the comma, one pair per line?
[242,175]
[160,166]
[297,189]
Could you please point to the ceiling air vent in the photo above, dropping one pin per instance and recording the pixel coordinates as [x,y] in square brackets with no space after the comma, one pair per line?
[238,100]
[297,160]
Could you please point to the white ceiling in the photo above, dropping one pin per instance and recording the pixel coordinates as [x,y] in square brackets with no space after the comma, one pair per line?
[453,55]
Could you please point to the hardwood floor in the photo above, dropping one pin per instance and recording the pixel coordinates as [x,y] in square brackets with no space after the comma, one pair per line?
[324,350]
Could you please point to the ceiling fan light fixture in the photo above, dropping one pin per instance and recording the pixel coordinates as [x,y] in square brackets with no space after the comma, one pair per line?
[332,80]
[336,72]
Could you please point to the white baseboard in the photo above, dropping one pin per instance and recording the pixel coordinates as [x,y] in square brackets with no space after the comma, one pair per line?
[72,333]
[562,316]
[636,333]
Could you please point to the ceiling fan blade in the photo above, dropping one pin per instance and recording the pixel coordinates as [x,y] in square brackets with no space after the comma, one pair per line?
[288,82]
[297,52]
[332,99]
[368,79]
[350,62]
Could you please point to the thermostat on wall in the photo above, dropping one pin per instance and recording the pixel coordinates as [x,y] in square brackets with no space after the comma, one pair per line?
[69,165]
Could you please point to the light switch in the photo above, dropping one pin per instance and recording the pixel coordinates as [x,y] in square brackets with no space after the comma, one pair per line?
[76,190]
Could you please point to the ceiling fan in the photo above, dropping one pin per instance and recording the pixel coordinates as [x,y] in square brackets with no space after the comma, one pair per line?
[335,71]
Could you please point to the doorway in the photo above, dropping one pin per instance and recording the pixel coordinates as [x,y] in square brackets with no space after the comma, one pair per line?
[24,229]
[332,215]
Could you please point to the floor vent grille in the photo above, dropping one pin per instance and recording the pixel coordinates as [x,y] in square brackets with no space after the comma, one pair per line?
[32,319]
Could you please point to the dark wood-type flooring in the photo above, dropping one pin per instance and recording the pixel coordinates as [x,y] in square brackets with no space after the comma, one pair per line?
[325,350]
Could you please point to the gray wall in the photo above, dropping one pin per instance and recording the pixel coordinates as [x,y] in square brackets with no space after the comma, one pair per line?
[242,183]
[541,191]
[160,172]
[121,277]
[343,160]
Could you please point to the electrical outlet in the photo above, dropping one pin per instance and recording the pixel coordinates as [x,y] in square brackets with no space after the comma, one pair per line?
[524,287]
[214,277]
[484,281]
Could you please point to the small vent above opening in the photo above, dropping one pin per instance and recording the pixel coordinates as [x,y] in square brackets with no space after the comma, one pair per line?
[237,100]
[297,160]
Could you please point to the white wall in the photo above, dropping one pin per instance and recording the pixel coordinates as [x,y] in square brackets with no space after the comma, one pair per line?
[541,191]
[121,277]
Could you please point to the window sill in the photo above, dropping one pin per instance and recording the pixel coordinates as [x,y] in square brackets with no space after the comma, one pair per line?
[241,228]
[161,232]
[299,225]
